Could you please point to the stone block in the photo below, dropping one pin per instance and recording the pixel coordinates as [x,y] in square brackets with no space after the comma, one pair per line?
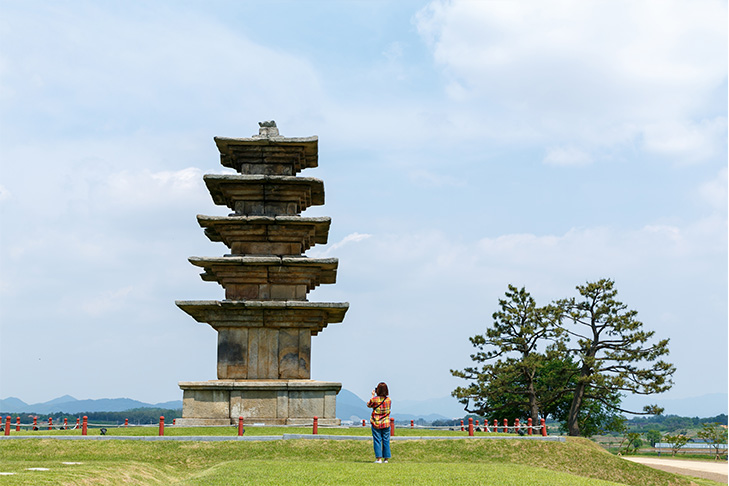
[233,353]
[288,292]
[306,404]
[243,292]
[206,403]
[263,353]
[254,404]
[330,404]
[274,402]
[291,364]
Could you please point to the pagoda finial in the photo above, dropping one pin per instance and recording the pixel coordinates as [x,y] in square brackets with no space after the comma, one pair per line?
[267,129]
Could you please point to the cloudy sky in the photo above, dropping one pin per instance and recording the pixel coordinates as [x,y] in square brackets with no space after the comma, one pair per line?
[464,146]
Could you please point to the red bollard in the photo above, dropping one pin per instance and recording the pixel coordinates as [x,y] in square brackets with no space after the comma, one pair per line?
[412,424]
[462,429]
[240,426]
[85,426]
[476,423]
[50,423]
[65,423]
[35,423]
[7,425]
[470,426]
[173,421]
[17,424]
[496,426]
[363,422]
[544,428]
[392,426]
[529,426]
[162,425]
[516,426]
[77,422]
[126,422]
[315,427]
[506,426]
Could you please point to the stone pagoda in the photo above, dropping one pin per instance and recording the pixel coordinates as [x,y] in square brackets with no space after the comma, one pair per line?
[265,322]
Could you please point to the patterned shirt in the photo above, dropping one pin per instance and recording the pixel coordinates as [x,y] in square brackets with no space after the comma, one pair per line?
[380,412]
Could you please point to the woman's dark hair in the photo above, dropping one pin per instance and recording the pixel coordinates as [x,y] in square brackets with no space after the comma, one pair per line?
[381,390]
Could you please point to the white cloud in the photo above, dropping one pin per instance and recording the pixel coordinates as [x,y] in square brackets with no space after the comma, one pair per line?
[599,72]
[105,71]
[154,190]
[329,250]
[686,141]
[567,156]
[433,291]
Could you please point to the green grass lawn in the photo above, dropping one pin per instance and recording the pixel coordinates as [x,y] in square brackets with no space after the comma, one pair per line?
[575,462]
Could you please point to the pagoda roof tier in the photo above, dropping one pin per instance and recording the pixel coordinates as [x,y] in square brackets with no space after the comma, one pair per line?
[269,155]
[314,316]
[268,270]
[266,235]
[265,194]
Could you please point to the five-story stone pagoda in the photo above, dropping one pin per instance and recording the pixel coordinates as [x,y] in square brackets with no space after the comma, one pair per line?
[265,323]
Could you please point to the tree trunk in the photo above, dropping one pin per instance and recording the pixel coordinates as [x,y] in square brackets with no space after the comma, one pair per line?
[533,406]
[573,426]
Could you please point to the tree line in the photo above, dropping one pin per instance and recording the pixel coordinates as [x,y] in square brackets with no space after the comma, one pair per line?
[571,360]
[672,423]
[135,416]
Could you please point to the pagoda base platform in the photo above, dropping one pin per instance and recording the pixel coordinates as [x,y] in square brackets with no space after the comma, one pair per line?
[267,402]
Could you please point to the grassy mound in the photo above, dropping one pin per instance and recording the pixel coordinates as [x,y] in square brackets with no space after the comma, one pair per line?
[575,462]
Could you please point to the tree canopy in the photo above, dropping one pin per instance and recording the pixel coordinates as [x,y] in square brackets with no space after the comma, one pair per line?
[512,376]
[573,360]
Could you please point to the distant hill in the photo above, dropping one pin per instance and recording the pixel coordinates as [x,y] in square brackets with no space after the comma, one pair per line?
[708,405]
[68,404]
[352,407]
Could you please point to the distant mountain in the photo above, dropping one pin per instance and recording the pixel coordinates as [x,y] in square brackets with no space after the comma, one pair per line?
[12,404]
[444,407]
[68,404]
[63,399]
[709,405]
[352,407]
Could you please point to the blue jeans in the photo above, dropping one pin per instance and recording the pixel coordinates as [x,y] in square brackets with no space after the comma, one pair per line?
[381,441]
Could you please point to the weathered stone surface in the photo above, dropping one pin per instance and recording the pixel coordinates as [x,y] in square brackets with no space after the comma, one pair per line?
[233,353]
[262,353]
[265,324]
[267,278]
[268,155]
[206,403]
[274,402]
[275,314]
[266,235]
[259,195]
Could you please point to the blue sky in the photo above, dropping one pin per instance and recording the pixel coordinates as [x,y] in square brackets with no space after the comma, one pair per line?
[464,146]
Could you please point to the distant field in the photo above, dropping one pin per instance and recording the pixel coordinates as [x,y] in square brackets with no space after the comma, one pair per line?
[575,462]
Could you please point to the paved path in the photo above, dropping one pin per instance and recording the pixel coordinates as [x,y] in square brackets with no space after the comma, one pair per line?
[716,470]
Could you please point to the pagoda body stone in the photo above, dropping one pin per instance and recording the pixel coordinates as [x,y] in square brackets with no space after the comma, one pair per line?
[265,323]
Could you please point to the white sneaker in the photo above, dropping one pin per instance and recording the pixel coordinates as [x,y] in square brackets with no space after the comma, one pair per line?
[385,461]
[378,461]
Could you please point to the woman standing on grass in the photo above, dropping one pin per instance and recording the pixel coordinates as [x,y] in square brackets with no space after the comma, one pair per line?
[380,405]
